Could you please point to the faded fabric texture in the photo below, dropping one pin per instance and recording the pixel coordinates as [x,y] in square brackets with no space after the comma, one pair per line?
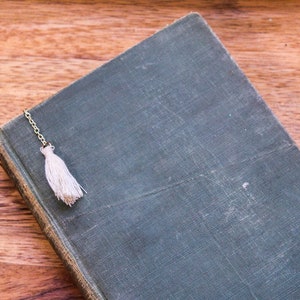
[192,185]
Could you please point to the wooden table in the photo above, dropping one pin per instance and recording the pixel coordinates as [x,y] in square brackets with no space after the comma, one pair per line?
[45,46]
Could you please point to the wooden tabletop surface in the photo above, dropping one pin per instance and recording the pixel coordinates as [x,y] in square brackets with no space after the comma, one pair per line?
[45,45]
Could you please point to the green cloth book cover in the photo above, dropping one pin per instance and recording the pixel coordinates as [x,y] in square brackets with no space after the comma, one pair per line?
[192,184]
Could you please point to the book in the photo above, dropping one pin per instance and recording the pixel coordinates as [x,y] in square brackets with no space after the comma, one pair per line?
[192,183]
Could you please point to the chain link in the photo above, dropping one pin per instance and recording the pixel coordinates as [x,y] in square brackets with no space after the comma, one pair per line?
[36,130]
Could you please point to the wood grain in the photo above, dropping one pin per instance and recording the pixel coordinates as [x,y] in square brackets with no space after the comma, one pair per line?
[45,45]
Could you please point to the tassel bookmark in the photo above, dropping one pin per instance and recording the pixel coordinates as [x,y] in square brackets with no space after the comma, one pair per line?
[61,181]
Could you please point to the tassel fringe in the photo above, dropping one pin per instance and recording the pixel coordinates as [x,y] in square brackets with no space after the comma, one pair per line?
[61,181]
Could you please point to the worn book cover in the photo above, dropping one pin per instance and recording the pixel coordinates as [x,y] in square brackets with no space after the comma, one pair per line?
[192,184]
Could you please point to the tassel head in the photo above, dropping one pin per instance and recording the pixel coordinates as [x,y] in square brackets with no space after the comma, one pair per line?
[61,181]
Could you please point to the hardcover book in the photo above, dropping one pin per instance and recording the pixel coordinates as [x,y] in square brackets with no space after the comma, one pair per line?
[192,184]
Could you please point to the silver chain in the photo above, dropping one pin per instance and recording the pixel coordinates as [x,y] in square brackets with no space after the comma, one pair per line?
[36,130]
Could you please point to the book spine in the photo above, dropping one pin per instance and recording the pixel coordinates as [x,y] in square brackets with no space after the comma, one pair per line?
[14,168]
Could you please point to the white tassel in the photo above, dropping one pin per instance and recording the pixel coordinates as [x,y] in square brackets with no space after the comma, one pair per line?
[63,184]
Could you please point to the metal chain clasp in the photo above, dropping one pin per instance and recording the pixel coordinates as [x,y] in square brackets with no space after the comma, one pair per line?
[36,130]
